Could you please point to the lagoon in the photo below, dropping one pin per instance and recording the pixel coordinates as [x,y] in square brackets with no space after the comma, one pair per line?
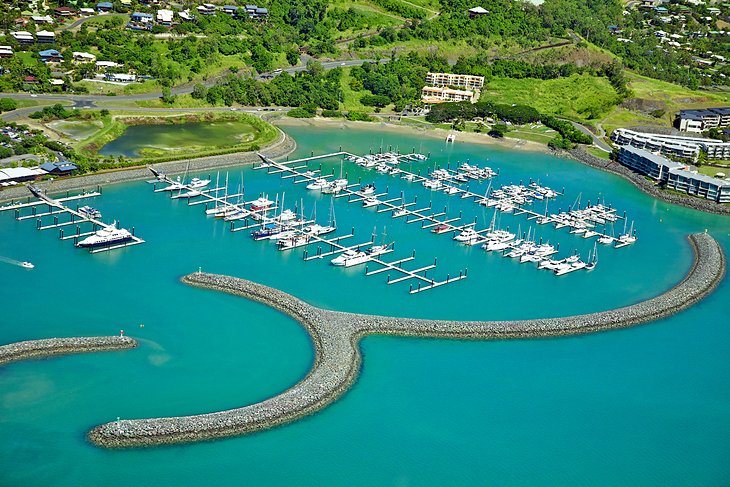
[632,407]
[168,137]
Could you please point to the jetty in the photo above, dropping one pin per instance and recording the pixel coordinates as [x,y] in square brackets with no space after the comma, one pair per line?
[337,362]
[50,207]
[246,215]
[48,347]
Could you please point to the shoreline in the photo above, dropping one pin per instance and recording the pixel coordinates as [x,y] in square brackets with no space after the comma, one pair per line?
[281,147]
[336,336]
[48,347]
[426,130]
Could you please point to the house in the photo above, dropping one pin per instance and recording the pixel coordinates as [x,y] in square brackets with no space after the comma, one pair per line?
[59,168]
[45,19]
[164,17]
[435,94]
[206,9]
[256,12]
[83,57]
[126,3]
[120,78]
[51,56]
[87,11]
[23,37]
[650,3]
[661,10]
[230,10]
[31,80]
[140,21]
[56,82]
[104,7]
[674,146]
[104,65]
[64,12]
[6,51]
[477,12]
[185,16]
[45,37]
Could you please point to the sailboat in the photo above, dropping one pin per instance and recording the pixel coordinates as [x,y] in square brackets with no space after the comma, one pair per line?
[626,238]
[592,258]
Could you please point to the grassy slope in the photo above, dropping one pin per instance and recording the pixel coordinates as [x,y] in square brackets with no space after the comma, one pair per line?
[580,96]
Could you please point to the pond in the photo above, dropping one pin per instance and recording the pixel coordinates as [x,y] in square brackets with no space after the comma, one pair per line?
[155,140]
[77,130]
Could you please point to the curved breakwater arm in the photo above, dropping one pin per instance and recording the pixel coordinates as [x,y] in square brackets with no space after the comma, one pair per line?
[335,336]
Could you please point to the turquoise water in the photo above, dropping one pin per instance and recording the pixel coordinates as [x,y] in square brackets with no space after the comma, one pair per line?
[644,406]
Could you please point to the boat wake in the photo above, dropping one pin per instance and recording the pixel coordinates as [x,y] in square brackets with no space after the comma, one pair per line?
[8,260]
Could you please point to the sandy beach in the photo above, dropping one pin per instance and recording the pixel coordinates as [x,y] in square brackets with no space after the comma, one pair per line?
[426,131]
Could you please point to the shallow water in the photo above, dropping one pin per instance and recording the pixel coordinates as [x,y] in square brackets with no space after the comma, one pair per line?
[193,135]
[640,406]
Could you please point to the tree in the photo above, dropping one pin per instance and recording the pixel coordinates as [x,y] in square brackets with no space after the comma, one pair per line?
[167,96]
[199,92]
[292,57]
[7,104]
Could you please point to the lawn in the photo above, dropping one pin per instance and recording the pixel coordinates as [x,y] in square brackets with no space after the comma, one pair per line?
[581,97]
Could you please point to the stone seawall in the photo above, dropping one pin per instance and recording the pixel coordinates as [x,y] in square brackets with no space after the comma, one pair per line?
[283,146]
[647,186]
[335,336]
[31,349]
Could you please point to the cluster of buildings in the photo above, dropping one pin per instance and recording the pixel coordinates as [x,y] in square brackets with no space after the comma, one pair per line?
[674,175]
[165,17]
[11,176]
[704,119]
[253,12]
[41,37]
[448,87]
[674,146]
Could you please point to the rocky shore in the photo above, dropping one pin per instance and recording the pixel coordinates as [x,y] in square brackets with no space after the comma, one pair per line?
[31,349]
[645,185]
[337,358]
[283,146]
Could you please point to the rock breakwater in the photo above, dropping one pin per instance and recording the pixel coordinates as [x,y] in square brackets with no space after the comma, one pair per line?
[62,346]
[335,336]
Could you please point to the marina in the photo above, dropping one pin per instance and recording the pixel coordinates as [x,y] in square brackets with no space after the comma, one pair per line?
[203,351]
[101,237]
[507,199]
[290,233]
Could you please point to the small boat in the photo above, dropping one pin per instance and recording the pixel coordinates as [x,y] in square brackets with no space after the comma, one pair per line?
[443,228]
[27,265]
[197,183]
[292,241]
[468,236]
[318,184]
[450,138]
[367,189]
[369,202]
[399,212]
[90,212]
[261,203]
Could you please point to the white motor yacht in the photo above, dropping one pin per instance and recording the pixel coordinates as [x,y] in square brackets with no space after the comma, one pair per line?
[27,265]
[197,183]
[318,184]
[108,235]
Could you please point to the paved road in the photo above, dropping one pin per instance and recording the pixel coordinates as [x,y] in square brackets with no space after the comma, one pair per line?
[597,141]
[87,98]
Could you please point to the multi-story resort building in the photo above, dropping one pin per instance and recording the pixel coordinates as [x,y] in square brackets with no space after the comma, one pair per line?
[461,80]
[674,175]
[674,146]
[705,119]
[441,94]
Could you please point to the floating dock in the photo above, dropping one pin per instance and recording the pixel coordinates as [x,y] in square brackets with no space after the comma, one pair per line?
[57,208]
